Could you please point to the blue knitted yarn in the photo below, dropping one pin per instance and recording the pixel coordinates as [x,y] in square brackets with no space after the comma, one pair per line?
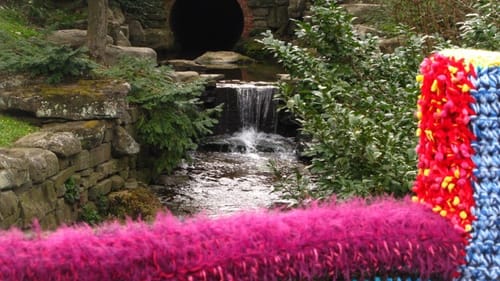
[391,279]
[483,252]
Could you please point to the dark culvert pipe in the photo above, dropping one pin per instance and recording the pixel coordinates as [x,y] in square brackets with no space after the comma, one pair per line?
[202,25]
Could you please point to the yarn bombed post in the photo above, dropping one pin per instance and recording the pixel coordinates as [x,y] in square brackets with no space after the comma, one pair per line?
[459,151]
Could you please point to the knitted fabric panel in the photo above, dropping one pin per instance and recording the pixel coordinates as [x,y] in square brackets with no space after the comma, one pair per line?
[357,239]
[483,252]
[459,160]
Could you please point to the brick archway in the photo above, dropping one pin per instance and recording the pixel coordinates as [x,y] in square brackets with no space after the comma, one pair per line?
[247,18]
[181,24]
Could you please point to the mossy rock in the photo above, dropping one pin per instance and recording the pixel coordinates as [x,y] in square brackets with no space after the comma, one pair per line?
[84,100]
[134,203]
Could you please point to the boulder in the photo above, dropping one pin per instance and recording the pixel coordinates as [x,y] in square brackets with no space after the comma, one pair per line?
[89,133]
[61,143]
[74,38]
[222,57]
[85,100]
[185,76]
[123,143]
[114,53]
[41,163]
[14,171]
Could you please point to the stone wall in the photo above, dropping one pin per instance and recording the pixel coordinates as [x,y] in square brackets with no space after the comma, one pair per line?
[83,152]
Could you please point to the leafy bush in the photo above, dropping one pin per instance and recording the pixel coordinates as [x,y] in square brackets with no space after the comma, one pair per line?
[355,103]
[171,120]
[36,57]
[481,29]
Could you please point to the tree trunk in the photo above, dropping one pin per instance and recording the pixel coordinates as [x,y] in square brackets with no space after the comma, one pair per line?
[97,29]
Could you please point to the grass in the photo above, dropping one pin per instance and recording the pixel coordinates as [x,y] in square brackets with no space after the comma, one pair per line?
[12,129]
[14,23]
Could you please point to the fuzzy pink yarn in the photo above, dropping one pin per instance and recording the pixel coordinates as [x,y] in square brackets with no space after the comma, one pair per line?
[383,237]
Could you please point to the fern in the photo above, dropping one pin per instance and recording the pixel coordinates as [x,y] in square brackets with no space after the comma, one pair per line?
[172,120]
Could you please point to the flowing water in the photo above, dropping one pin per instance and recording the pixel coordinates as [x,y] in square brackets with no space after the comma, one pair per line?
[237,175]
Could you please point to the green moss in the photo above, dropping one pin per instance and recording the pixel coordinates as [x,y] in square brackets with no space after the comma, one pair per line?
[92,124]
[81,88]
[12,129]
[134,203]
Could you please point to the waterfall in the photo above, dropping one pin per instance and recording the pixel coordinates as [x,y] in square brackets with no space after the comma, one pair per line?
[255,105]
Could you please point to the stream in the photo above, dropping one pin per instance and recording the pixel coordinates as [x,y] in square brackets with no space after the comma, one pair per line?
[221,183]
[231,170]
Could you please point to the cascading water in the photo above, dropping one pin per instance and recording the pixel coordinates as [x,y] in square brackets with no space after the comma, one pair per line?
[256,106]
[222,179]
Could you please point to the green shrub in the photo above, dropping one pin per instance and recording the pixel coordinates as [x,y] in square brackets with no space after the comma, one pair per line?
[481,29]
[355,103]
[12,128]
[171,118]
[40,58]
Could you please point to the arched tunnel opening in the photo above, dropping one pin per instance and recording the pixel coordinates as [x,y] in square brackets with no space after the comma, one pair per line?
[203,25]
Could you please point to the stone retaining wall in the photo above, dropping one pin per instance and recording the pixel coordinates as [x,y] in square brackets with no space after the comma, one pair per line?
[77,159]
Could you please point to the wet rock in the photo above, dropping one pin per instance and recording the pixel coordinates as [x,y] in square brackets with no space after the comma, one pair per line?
[61,143]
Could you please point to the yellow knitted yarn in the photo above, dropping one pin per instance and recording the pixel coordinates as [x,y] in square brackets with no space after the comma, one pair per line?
[475,57]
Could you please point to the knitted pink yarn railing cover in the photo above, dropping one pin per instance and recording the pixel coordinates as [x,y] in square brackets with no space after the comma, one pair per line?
[358,239]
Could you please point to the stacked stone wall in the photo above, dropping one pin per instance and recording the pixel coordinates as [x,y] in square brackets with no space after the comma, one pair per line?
[69,163]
